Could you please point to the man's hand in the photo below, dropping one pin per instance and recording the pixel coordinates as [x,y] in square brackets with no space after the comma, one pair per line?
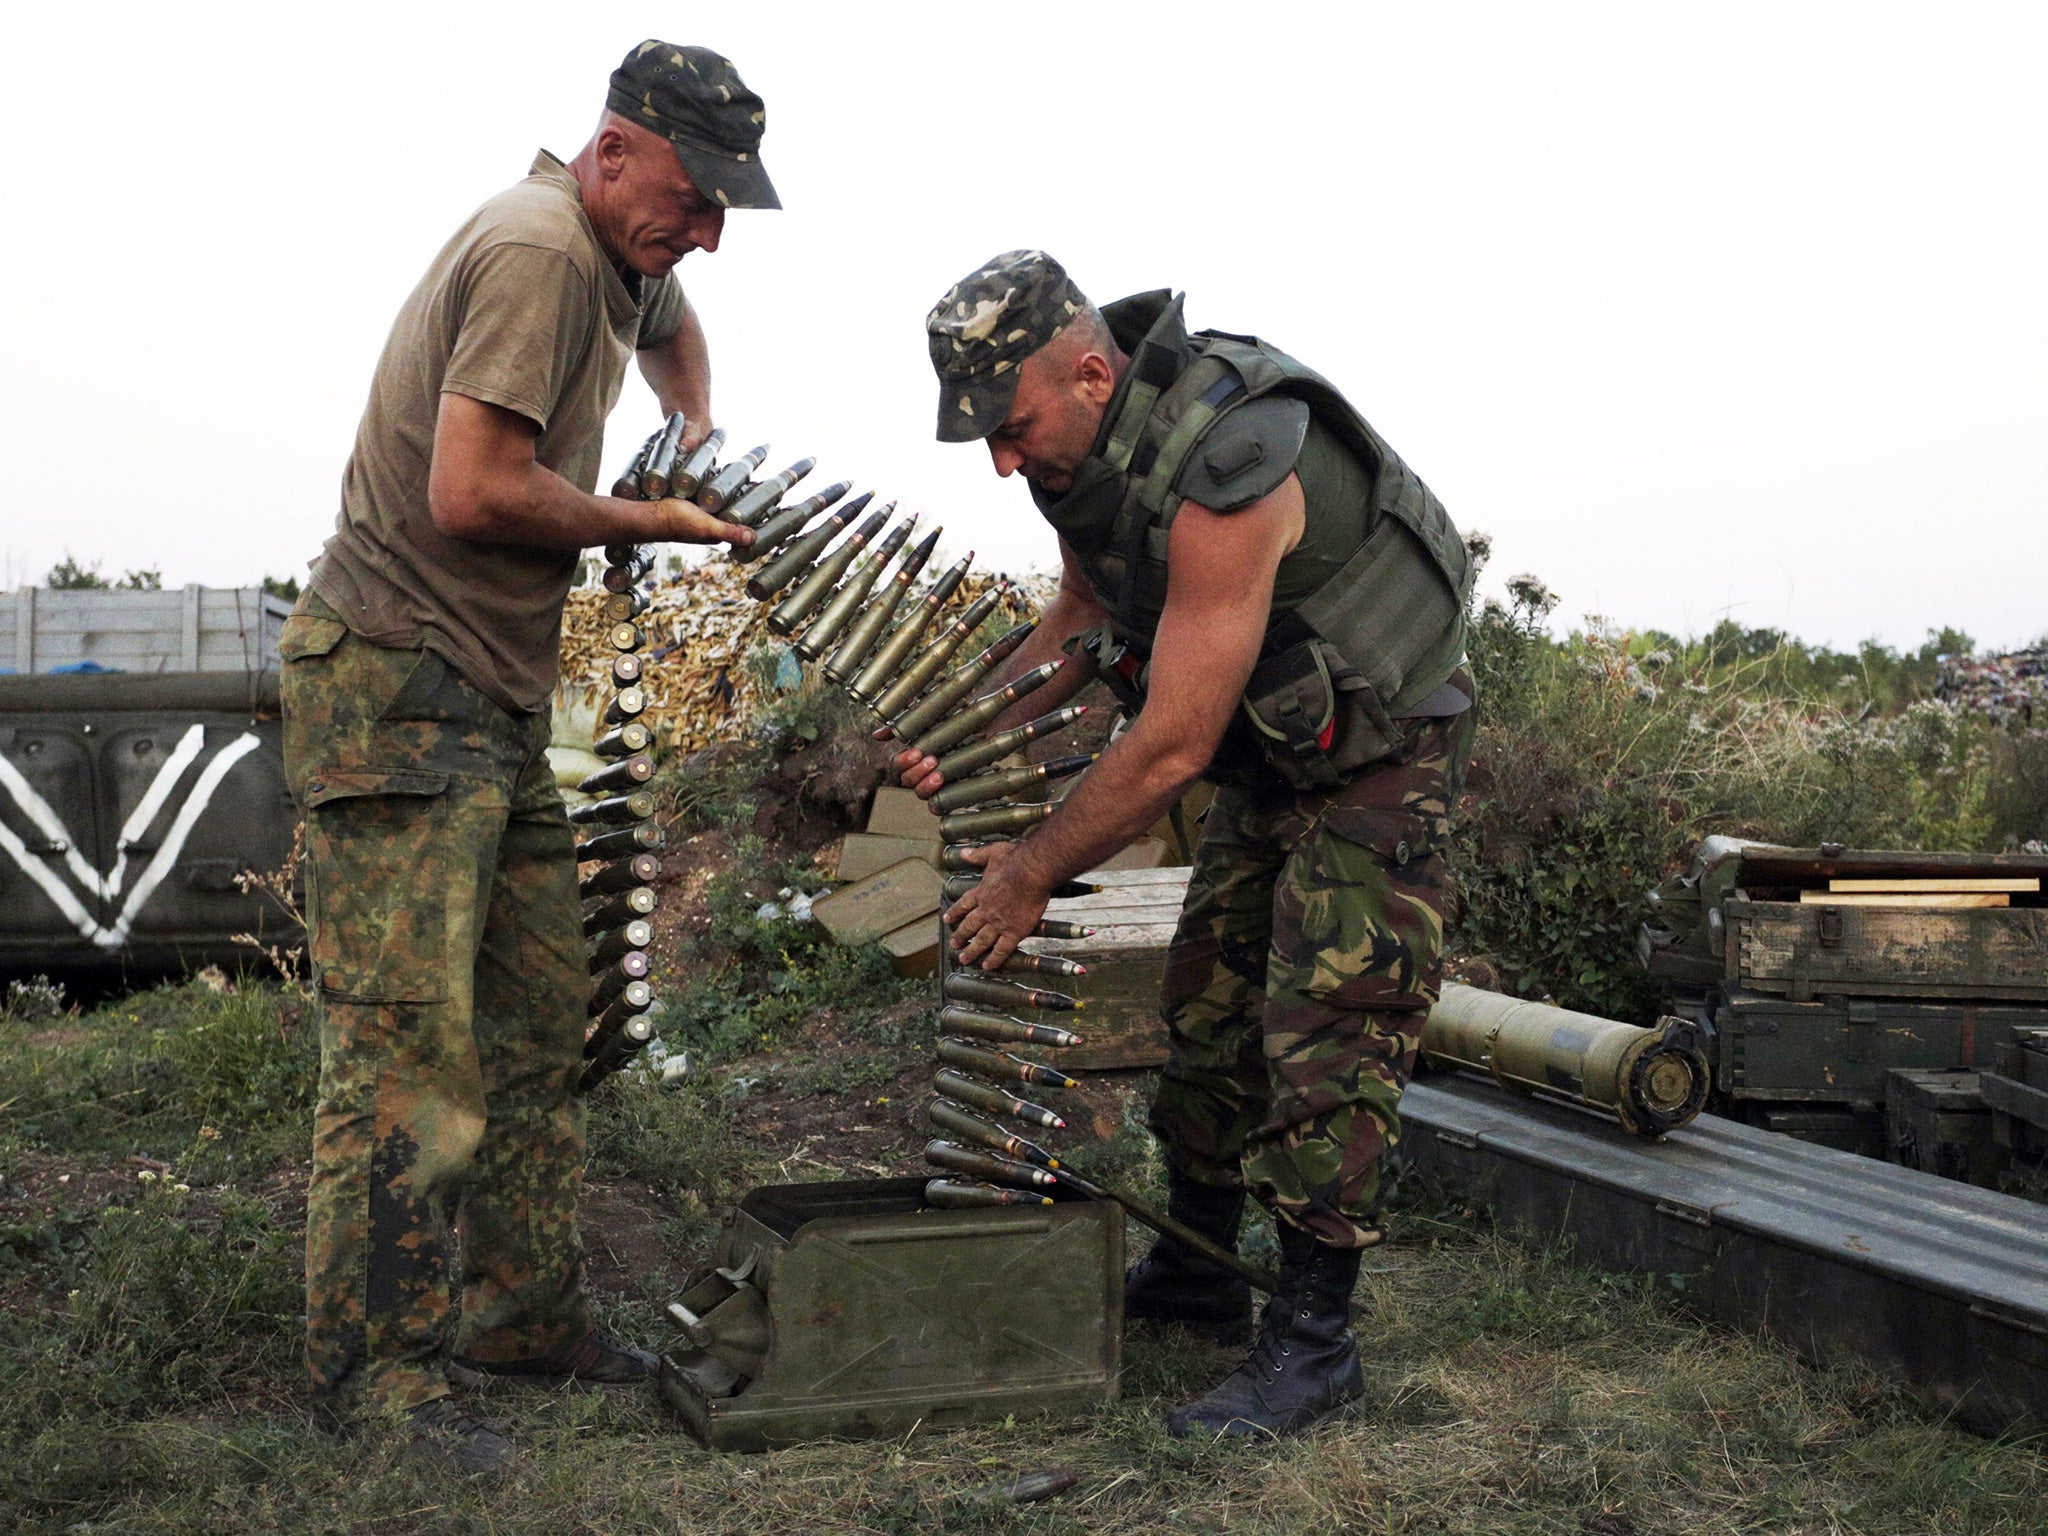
[919,771]
[992,919]
[683,522]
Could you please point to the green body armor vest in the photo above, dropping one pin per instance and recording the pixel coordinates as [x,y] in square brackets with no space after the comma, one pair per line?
[1220,420]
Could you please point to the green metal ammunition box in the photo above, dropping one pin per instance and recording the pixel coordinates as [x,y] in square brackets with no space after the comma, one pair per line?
[851,1310]
[1936,1120]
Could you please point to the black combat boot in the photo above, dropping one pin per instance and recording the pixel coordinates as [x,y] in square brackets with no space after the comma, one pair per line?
[1174,1284]
[1304,1365]
[595,1358]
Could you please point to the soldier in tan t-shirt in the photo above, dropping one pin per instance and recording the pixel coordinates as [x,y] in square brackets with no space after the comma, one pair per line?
[442,913]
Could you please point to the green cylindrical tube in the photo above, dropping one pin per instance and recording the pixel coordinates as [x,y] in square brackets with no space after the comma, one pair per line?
[945,1115]
[998,818]
[626,775]
[721,488]
[960,1195]
[996,1101]
[629,993]
[626,574]
[792,561]
[975,756]
[1001,1027]
[840,607]
[954,687]
[620,942]
[932,659]
[974,986]
[816,586]
[785,525]
[614,810]
[628,740]
[623,908]
[1001,1065]
[1021,964]
[614,1050]
[752,507]
[645,838]
[1007,781]
[895,647]
[955,1158]
[868,624]
[626,704]
[659,474]
[956,728]
[691,473]
[628,970]
[640,869]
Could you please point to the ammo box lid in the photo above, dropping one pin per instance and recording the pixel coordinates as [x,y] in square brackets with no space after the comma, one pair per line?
[1951,1090]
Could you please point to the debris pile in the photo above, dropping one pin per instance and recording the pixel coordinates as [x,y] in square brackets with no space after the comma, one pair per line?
[2007,690]
[712,664]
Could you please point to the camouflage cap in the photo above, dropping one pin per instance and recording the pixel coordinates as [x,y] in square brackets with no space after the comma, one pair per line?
[696,100]
[987,324]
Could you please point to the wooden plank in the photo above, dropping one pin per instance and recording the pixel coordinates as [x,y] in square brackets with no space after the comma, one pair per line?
[25,630]
[866,853]
[897,812]
[2017,885]
[188,630]
[1171,874]
[1806,866]
[1120,941]
[868,909]
[1919,900]
[1776,946]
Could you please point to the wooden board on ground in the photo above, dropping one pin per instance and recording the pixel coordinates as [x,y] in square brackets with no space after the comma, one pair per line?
[866,910]
[1952,901]
[914,948]
[2016,885]
[1145,853]
[897,812]
[1126,958]
[865,853]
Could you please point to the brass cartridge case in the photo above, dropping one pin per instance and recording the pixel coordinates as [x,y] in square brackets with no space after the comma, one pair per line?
[1021,964]
[1007,781]
[816,586]
[840,608]
[691,473]
[630,994]
[626,636]
[605,1054]
[894,649]
[973,986]
[995,1100]
[640,869]
[795,559]
[625,705]
[628,486]
[714,494]
[623,607]
[974,757]
[957,727]
[955,1158]
[621,909]
[1000,1065]
[624,741]
[873,618]
[626,775]
[613,810]
[647,837]
[959,1195]
[1001,1027]
[660,471]
[997,818]
[786,523]
[957,685]
[625,669]
[620,942]
[752,507]
[945,1115]
[929,662]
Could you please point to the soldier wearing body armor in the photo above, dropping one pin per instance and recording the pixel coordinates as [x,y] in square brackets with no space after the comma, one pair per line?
[1279,602]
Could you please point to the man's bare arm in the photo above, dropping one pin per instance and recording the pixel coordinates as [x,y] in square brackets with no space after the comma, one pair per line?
[1219,596]
[485,486]
[679,372]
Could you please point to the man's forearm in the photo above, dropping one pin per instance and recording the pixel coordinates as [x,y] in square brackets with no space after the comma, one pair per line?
[679,372]
[1133,785]
[544,511]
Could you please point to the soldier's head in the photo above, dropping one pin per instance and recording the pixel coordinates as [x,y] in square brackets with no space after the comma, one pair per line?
[679,144]
[1025,364]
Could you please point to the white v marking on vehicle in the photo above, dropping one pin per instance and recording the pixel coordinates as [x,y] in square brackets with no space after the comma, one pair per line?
[174,841]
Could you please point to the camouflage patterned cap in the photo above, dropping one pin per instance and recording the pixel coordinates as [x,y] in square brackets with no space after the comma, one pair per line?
[987,324]
[696,100]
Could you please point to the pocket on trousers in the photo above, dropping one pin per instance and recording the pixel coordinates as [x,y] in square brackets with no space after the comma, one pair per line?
[380,918]
[1367,909]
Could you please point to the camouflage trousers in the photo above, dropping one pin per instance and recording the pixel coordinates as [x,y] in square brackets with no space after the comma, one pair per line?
[447,950]
[1307,955]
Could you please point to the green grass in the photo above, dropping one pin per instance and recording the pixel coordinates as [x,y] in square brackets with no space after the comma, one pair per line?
[149,1340]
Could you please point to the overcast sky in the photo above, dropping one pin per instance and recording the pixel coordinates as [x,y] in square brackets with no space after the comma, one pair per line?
[1696,310]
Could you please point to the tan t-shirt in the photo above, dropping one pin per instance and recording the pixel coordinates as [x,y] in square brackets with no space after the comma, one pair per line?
[521,309]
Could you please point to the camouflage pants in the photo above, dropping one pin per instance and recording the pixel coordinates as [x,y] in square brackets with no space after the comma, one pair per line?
[448,954]
[1307,955]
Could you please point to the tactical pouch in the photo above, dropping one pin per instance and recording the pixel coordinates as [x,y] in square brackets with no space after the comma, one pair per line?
[1119,668]
[1317,718]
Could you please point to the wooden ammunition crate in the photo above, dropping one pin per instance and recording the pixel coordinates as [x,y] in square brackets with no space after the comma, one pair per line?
[1133,917]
